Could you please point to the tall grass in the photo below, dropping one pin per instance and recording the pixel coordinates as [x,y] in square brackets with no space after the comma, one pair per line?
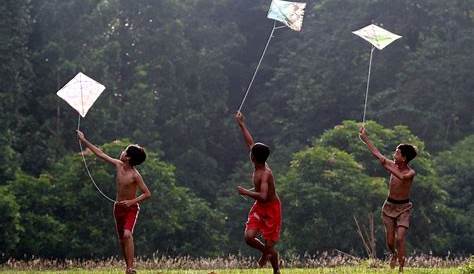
[161,263]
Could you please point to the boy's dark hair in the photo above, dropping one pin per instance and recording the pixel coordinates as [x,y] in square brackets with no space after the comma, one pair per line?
[260,152]
[136,153]
[407,151]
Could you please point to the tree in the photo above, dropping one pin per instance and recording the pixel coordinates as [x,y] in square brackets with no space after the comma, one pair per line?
[434,81]
[10,227]
[63,215]
[15,73]
[42,231]
[456,169]
[427,195]
[357,170]
[324,188]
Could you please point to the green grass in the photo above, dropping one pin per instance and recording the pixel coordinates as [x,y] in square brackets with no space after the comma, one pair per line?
[338,270]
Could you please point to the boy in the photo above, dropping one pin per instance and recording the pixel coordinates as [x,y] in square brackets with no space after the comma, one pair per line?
[265,215]
[126,207]
[397,208]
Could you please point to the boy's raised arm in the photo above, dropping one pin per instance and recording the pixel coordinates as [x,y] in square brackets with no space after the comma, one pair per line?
[239,117]
[96,150]
[363,136]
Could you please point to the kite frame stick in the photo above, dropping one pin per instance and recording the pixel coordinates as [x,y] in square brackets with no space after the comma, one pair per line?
[368,82]
[82,152]
[258,65]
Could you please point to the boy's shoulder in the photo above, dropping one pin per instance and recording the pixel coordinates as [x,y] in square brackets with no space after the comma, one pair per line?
[266,171]
[136,172]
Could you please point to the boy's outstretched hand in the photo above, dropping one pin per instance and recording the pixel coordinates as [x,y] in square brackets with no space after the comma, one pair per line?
[80,135]
[363,134]
[239,117]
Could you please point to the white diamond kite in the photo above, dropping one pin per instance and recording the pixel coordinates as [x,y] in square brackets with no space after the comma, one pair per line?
[377,36]
[81,93]
[289,13]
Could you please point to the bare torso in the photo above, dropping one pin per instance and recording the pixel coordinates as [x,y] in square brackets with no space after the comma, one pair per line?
[400,189]
[126,183]
[257,180]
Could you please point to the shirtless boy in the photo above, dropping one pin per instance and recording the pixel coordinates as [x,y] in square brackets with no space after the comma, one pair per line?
[126,207]
[397,208]
[265,215]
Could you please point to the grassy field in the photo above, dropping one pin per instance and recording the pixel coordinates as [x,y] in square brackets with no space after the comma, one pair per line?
[241,265]
[352,270]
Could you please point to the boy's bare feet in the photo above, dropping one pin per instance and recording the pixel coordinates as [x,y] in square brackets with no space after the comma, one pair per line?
[131,271]
[393,261]
[401,261]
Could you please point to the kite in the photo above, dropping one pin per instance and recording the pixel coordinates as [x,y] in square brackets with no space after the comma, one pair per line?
[379,38]
[81,93]
[289,13]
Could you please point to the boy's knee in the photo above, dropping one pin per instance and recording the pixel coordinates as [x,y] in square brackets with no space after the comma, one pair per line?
[127,234]
[400,241]
[248,238]
[390,241]
[249,235]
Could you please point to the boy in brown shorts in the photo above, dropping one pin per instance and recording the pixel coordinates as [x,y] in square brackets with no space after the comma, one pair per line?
[397,208]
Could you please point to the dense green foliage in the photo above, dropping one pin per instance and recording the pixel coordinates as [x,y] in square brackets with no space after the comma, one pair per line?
[175,71]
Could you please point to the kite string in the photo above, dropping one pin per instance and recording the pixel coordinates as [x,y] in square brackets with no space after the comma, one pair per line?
[368,82]
[87,168]
[258,65]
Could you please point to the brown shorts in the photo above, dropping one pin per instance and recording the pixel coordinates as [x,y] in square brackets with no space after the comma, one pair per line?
[395,215]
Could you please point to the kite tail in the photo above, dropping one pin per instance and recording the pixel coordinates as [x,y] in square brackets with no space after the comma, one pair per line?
[87,168]
[258,65]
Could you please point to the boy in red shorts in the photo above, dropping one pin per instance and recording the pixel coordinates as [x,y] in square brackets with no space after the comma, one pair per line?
[126,207]
[265,215]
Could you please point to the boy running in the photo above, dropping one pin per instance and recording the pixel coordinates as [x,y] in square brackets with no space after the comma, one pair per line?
[265,215]
[397,207]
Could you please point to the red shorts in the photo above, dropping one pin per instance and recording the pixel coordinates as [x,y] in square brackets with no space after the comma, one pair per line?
[125,218]
[266,219]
